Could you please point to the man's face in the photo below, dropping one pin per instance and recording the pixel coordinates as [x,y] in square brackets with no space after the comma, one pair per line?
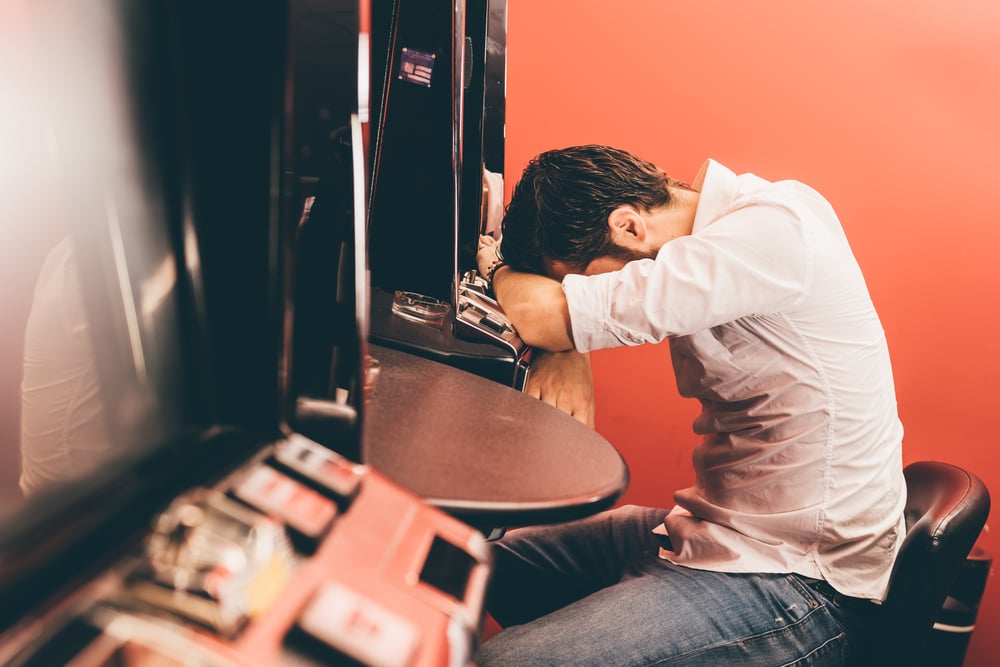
[605,264]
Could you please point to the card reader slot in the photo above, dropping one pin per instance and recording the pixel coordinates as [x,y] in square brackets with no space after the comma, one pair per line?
[448,568]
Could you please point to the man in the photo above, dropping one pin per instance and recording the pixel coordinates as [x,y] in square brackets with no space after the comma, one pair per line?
[779,552]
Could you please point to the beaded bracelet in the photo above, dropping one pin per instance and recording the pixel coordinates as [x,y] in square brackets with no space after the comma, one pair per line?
[494,267]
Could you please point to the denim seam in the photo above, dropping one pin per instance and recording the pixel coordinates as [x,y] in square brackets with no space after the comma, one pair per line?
[751,638]
[816,650]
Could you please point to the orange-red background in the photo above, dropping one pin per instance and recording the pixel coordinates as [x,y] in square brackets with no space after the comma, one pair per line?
[889,108]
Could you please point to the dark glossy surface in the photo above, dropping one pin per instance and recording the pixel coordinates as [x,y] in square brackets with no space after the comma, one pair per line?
[485,452]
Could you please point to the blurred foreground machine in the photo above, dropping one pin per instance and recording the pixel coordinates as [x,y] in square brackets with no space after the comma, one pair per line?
[204,527]
[298,557]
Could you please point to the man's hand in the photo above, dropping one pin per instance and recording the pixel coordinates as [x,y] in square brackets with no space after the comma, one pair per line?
[488,257]
[563,380]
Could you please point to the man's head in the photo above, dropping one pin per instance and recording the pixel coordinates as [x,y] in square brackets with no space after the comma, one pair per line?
[558,217]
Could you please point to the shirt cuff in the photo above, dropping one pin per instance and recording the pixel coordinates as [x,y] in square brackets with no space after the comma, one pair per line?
[585,297]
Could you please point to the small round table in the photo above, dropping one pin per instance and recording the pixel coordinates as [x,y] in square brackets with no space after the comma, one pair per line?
[484,452]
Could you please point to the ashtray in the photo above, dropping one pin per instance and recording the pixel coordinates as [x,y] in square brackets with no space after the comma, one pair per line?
[419,307]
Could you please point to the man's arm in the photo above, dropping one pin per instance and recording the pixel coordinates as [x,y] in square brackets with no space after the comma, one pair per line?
[534,304]
[537,308]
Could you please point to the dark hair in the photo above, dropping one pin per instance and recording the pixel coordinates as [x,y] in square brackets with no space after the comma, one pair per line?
[560,207]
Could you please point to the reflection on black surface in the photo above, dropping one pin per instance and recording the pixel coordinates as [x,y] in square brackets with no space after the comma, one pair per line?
[150,134]
[168,146]
[109,338]
[63,431]
[325,342]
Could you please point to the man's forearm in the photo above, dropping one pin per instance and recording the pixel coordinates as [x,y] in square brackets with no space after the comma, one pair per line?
[537,308]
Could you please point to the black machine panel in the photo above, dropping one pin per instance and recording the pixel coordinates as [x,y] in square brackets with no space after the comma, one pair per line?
[412,218]
[324,233]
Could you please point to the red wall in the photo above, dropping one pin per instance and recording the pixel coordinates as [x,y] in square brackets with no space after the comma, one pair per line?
[889,108]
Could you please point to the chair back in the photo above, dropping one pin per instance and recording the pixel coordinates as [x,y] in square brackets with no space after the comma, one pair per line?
[946,508]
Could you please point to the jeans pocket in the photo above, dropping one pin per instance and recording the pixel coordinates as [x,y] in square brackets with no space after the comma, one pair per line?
[859,619]
[812,596]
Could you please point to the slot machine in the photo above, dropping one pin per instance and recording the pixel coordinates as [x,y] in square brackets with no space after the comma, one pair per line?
[187,160]
[439,72]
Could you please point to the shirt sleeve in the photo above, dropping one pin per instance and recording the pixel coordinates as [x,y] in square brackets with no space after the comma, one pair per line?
[753,260]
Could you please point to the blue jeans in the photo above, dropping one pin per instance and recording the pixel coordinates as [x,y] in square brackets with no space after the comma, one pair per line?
[596,592]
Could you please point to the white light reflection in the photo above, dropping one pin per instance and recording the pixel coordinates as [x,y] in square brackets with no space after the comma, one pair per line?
[125,287]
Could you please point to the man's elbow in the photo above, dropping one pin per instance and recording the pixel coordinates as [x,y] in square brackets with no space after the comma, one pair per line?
[543,323]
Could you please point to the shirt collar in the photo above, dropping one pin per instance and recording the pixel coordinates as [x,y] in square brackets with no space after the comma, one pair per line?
[718,186]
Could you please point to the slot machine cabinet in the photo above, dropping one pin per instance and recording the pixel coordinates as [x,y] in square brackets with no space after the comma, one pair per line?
[208,531]
[438,127]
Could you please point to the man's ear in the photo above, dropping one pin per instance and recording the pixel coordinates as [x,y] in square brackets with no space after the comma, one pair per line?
[627,226]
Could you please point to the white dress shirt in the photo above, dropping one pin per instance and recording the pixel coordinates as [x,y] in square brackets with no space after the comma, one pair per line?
[772,329]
